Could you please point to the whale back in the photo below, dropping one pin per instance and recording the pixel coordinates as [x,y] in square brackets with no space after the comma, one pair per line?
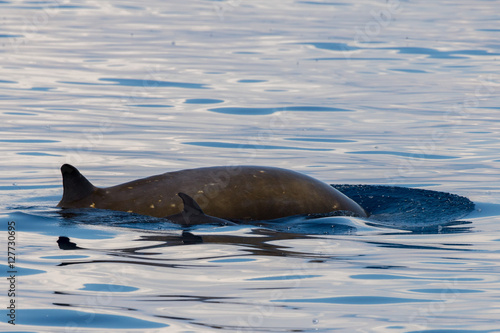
[231,193]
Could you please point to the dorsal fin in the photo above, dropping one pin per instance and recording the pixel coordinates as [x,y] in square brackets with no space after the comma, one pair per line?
[193,214]
[75,185]
[191,207]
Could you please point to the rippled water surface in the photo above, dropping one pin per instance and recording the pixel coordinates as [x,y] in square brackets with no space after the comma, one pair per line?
[399,96]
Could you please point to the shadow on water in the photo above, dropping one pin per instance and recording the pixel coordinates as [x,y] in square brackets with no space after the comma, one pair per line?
[257,242]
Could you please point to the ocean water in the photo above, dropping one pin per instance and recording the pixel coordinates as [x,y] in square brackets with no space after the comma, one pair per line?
[401,97]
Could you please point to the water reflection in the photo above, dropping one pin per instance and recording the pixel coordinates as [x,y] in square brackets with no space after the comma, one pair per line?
[203,101]
[404,154]
[430,52]
[215,144]
[256,242]
[67,318]
[153,83]
[144,83]
[266,111]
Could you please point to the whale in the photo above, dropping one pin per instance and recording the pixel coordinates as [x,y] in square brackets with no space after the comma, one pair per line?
[232,193]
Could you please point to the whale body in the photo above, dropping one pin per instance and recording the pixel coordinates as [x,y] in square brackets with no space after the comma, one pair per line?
[247,193]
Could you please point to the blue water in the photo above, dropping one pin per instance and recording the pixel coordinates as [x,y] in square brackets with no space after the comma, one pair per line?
[400,96]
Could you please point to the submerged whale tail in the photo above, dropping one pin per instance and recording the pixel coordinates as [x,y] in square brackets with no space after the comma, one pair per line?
[75,185]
